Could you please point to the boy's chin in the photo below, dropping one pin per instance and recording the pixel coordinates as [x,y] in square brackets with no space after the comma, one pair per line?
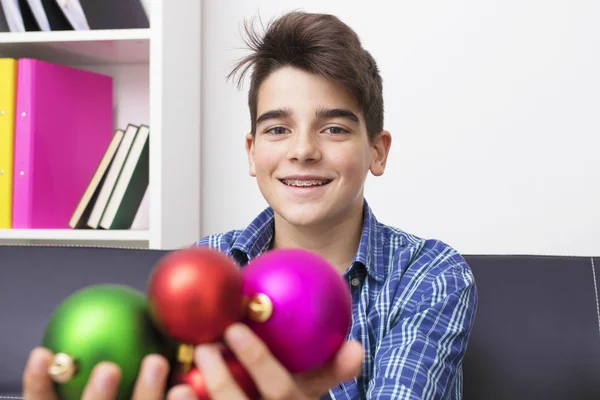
[303,216]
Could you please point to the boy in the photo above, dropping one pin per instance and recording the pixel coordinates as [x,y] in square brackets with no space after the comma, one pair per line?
[316,132]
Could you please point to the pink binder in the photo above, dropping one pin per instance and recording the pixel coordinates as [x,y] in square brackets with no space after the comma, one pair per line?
[63,125]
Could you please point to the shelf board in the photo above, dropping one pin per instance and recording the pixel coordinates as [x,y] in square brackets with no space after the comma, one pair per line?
[74,234]
[93,47]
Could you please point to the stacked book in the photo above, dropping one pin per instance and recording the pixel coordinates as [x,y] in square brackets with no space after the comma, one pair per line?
[59,152]
[117,194]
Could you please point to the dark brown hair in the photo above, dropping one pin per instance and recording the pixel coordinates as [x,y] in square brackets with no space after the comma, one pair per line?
[315,43]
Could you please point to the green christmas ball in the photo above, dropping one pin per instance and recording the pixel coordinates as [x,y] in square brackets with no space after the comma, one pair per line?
[102,323]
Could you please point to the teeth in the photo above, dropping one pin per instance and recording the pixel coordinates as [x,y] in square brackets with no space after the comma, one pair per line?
[298,182]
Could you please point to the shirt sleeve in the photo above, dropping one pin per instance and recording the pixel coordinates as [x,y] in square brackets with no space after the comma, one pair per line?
[421,355]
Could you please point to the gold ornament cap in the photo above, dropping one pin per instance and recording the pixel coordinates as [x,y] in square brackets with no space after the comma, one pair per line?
[63,368]
[185,356]
[260,308]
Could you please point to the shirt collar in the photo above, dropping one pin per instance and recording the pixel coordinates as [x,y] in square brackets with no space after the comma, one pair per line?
[370,246]
[256,238]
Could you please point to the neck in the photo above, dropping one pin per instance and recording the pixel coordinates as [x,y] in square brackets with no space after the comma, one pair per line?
[337,243]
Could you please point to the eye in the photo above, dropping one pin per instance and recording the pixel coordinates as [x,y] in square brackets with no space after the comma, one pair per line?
[277,130]
[336,130]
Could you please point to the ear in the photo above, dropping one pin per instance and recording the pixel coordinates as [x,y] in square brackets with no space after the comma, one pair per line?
[381,149]
[250,152]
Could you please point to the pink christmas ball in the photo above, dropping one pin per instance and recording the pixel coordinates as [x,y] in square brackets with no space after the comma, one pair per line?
[310,308]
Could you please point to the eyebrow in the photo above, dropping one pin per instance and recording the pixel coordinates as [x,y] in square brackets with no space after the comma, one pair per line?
[282,113]
[337,113]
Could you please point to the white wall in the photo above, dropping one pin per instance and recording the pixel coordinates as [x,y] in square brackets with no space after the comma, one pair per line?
[494,108]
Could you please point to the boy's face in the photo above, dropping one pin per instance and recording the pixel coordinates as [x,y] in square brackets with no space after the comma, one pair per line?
[311,153]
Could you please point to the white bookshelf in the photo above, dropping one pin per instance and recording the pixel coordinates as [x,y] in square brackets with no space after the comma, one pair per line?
[156,74]
[75,235]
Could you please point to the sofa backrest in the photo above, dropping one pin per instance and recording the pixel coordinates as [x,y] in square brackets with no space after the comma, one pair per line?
[536,332]
[537,329]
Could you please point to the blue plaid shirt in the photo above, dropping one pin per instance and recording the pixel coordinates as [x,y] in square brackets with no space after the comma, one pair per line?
[414,304]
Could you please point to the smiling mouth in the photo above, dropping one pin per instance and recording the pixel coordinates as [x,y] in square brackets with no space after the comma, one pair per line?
[304,183]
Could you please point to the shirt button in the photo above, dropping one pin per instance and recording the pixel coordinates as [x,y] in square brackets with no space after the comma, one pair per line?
[355,281]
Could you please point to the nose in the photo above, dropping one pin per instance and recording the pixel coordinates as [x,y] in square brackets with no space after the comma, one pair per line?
[304,147]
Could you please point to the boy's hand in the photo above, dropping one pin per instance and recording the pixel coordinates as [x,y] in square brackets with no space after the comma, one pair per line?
[270,377]
[104,380]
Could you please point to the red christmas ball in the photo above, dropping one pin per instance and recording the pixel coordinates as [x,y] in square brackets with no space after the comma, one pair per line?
[195,379]
[194,294]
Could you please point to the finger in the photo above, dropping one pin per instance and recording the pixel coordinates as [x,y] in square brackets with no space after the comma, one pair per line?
[103,383]
[181,392]
[37,384]
[346,365]
[152,379]
[217,378]
[270,376]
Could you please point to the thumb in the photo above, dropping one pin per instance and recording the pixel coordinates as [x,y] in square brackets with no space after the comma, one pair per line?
[37,384]
[346,365]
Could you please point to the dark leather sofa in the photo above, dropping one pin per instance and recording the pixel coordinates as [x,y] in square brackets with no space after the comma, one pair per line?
[536,335]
